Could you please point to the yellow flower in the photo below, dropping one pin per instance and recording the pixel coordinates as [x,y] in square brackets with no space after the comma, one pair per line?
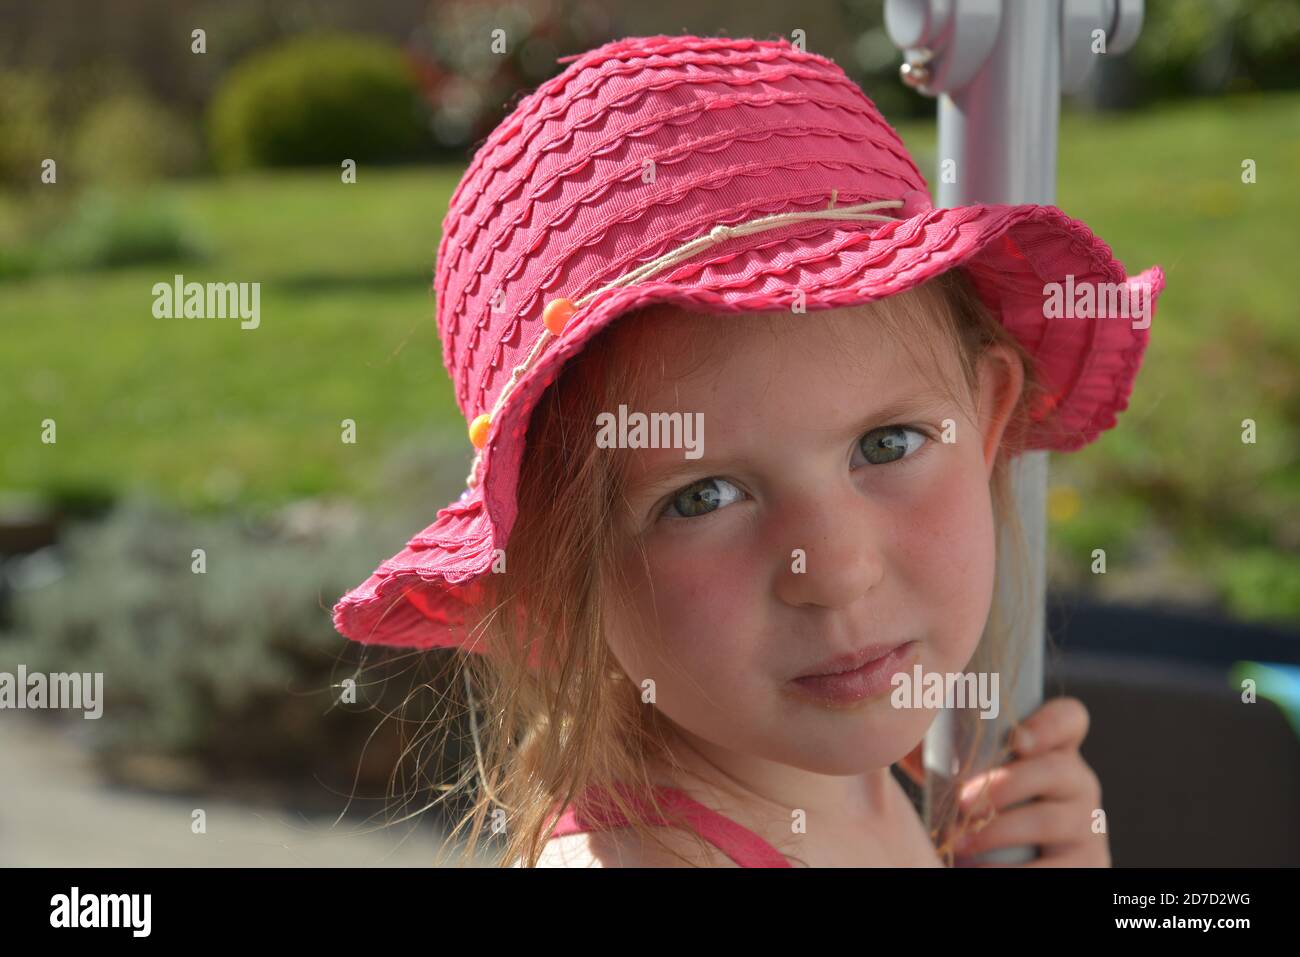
[1062,503]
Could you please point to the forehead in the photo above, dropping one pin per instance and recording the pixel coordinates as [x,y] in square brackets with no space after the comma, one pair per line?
[727,358]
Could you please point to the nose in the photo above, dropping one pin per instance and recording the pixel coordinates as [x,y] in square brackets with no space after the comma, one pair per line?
[841,535]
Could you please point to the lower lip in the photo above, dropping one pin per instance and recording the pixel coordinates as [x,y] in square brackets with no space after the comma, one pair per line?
[871,679]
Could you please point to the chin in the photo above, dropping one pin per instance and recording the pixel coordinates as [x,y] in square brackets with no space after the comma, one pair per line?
[845,747]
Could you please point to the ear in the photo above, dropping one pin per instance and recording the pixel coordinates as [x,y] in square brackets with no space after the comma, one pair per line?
[1001,379]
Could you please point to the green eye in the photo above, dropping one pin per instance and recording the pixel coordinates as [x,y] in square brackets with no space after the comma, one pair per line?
[889,444]
[700,498]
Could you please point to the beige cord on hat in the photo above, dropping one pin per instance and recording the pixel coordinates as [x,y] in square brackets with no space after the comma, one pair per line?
[558,311]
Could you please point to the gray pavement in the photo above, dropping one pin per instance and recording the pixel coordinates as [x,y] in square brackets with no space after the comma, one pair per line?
[54,812]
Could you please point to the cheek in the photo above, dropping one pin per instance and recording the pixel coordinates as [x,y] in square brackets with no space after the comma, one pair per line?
[946,551]
[694,627]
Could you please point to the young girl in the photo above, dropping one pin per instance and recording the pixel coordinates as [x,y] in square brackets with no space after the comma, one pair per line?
[684,646]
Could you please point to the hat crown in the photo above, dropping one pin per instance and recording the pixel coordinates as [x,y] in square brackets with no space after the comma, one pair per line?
[635,148]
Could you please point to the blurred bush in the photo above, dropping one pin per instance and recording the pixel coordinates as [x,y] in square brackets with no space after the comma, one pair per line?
[124,229]
[98,212]
[1259,583]
[231,673]
[27,130]
[1218,46]
[317,100]
[130,139]
[99,229]
[17,261]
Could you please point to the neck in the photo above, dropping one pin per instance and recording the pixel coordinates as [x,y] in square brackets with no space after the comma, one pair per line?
[767,792]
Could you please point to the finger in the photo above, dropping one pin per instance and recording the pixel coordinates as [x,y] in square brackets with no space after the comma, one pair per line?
[1093,851]
[1058,722]
[1090,851]
[1056,775]
[1039,822]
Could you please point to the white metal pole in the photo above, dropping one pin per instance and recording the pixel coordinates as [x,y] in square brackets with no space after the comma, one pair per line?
[997,67]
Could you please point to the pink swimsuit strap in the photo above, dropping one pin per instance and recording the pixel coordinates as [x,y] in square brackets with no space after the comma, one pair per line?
[739,843]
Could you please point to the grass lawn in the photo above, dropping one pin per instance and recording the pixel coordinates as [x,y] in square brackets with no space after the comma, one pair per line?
[202,412]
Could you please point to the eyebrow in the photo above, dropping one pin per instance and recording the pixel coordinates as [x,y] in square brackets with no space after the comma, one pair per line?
[663,475]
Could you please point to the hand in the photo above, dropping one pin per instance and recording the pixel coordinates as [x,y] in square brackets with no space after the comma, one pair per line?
[1066,791]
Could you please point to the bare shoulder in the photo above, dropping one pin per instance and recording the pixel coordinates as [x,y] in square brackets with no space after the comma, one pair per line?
[623,847]
[571,850]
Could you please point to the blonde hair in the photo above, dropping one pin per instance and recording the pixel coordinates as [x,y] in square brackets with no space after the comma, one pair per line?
[542,733]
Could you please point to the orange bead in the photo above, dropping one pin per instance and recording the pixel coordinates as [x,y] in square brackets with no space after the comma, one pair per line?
[556,315]
[478,430]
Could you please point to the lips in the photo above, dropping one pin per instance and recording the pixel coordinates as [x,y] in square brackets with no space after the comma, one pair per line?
[849,689]
[851,661]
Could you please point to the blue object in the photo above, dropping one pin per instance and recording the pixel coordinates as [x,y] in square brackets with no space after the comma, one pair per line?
[1277,682]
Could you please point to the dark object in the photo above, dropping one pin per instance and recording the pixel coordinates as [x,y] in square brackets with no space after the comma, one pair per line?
[1191,775]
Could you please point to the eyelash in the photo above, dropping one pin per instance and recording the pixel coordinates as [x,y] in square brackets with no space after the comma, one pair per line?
[663,511]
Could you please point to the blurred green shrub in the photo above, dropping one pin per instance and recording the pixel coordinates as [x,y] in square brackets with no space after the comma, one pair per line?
[110,229]
[1258,583]
[129,139]
[315,100]
[233,670]
[17,261]
[101,230]
[1217,46]
[27,131]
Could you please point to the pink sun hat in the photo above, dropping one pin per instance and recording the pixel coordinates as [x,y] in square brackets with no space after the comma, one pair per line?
[720,175]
